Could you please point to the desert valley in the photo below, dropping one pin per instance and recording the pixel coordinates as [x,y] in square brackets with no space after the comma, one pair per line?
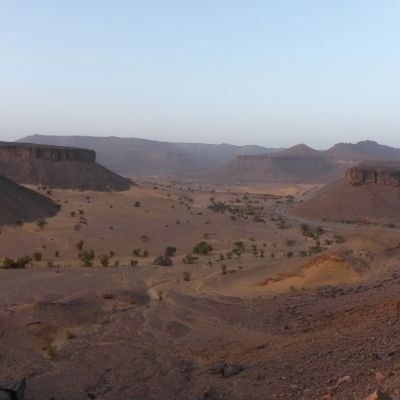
[259,274]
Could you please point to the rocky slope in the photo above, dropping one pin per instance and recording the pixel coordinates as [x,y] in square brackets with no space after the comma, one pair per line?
[19,204]
[133,156]
[57,167]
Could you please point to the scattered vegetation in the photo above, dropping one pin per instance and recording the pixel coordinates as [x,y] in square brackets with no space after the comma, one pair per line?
[202,248]
[22,262]
[170,251]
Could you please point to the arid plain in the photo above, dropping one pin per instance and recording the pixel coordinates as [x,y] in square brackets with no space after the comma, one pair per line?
[279,306]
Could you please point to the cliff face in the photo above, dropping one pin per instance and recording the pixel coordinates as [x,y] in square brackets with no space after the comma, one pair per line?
[49,153]
[57,167]
[378,175]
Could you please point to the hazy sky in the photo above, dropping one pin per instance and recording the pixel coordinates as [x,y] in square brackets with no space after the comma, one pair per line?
[264,72]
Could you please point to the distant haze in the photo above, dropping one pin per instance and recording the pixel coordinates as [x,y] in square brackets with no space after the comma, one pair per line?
[271,73]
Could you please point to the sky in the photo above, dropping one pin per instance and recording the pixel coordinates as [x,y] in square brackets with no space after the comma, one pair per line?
[273,73]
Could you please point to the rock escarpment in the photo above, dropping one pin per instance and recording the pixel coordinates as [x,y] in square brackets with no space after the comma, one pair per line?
[379,175]
[57,167]
[40,152]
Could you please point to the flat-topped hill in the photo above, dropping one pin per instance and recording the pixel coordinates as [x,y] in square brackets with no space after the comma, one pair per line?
[57,167]
[19,204]
[368,193]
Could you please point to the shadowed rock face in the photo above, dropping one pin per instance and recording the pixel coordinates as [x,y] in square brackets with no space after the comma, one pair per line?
[50,153]
[379,175]
[57,167]
[19,204]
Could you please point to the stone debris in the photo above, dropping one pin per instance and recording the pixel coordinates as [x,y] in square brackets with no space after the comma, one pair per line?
[226,370]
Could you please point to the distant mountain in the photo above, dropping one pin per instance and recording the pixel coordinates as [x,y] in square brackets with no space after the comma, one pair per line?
[363,151]
[19,204]
[304,164]
[57,167]
[132,156]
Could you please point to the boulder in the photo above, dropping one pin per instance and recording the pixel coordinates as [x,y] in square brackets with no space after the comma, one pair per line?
[379,395]
[14,390]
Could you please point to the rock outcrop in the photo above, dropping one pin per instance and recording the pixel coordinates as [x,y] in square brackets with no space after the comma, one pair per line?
[379,174]
[57,167]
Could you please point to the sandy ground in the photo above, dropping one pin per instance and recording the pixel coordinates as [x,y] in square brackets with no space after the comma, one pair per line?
[292,315]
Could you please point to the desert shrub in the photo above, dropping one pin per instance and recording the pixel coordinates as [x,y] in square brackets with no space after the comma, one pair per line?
[186,276]
[111,253]
[56,254]
[105,260]
[169,251]
[202,248]
[70,335]
[41,223]
[339,239]
[137,204]
[139,253]
[22,262]
[87,257]
[72,213]
[133,263]
[189,259]
[290,243]
[223,269]
[37,256]
[306,231]
[316,248]
[238,248]
[163,260]
[289,199]
[289,254]
[79,245]
[218,207]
